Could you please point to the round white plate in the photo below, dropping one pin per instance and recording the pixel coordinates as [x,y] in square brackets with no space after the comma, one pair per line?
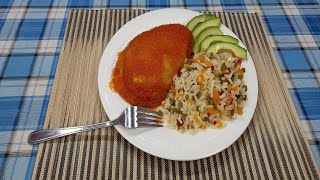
[163,142]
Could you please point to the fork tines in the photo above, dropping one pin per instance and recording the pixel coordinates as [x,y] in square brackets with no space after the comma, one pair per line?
[147,117]
[148,111]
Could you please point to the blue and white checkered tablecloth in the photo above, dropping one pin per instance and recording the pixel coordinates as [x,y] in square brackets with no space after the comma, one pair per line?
[31,33]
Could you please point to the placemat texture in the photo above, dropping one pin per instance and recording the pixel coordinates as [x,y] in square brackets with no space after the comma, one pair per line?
[272,147]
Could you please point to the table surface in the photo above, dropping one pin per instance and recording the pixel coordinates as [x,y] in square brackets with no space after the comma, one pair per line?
[31,33]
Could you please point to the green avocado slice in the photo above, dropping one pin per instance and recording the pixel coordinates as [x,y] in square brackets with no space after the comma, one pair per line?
[198,19]
[216,38]
[215,21]
[236,50]
[203,35]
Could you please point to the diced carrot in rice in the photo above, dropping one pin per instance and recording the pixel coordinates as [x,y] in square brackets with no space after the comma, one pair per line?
[211,111]
[199,79]
[201,87]
[229,87]
[179,95]
[216,98]
[207,63]
[240,74]
[240,110]
[196,119]
[219,124]
[235,88]
[201,58]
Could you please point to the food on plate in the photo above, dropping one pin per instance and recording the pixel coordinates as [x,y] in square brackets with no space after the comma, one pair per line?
[214,39]
[215,21]
[145,68]
[209,38]
[198,19]
[203,35]
[226,46]
[192,75]
[208,91]
[210,88]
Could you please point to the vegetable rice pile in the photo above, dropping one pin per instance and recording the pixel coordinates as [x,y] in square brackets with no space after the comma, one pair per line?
[208,91]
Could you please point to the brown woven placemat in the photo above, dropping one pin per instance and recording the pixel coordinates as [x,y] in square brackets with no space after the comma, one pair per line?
[273,146]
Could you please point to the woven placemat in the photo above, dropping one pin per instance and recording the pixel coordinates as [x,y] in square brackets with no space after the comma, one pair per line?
[272,147]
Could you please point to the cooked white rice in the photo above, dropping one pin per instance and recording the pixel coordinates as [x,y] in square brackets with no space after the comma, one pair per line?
[208,91]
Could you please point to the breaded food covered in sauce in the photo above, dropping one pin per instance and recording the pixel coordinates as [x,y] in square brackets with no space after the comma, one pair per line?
[145,68]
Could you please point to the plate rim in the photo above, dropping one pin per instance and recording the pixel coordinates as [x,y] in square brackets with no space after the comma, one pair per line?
[120,129]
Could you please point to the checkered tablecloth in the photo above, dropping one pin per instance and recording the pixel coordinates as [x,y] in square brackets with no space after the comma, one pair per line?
[31,33]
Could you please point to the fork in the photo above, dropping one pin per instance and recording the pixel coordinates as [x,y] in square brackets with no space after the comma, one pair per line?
[132,117]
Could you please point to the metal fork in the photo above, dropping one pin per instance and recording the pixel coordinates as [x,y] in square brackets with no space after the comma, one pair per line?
[132,117]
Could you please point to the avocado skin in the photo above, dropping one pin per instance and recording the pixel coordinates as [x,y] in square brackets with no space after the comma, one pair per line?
[236,49]
[216,38]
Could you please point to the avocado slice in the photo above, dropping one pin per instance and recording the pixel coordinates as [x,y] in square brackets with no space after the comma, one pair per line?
[203,35]
[198,19]
[215,21]
[236,50]
[216,38]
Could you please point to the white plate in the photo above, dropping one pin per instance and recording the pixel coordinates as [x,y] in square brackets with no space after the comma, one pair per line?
[163,142]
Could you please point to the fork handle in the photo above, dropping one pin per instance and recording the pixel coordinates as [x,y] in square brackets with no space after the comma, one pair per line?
[48,134]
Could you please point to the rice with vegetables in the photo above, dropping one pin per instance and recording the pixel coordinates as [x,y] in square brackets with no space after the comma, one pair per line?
[208,91]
